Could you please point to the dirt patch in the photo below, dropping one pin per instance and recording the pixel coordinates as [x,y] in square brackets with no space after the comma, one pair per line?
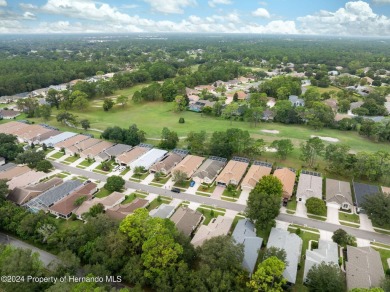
[327,139]
[270,149]
[270,131]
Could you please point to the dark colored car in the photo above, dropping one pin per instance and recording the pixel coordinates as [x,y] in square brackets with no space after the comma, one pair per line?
[175,190]
[285,200]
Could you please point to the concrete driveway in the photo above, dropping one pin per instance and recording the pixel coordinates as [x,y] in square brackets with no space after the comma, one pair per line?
[301,210]
[332,215]
[365,222]
[243,197]
[218,192]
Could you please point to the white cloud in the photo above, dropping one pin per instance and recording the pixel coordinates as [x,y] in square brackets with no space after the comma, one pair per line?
[261,12]
[213,3]
[29,15]
[356,19]
[27,6]
[3,3]
[170,6]
[273,27]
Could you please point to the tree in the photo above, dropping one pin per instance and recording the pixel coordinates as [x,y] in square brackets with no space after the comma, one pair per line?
[105,166]
[67,118]
[196,142]
[235,97]
[30,157]
[28,106]
[44,165]
[95,210]
[337,157]
[4,191]
[122,99]
[107,104]
[273,252]
[180,103]
[85,124]
[44,111]
[229,111]
[377,206]
[169,139]
[54,98]
[268,276]
[79,100]
[179,176]
[311,149]
[341,237]
[9,147]
[114,183]
[325,278]
[316,206]
[139,170]
[264,202]
[283,147]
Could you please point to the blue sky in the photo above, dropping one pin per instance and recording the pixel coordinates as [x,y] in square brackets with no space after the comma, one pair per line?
[312,17]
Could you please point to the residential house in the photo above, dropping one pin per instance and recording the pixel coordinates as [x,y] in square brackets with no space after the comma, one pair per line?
[108,202]
[233,172]
[120,212]
[8,114]
[66,206]
[200,104]
[287,177]
[20,196]
[331,102]
[309,186]
[296,101]
[333,73]
[186,220]
[113,152]
[11,127]
[338,194]
[5,167]
[62,136]
[326,252]
[167,163]
[292,244]
[268,115]
[31,134]
[93,151]
[193,98]
[209,170]
[132,155]
[66,144]
[361,191]
[271,102]
[245,233]
[82,145]
[52,196]
[255,173]
[163,211]
[386,190]
[216,227]
[30,177]
[39,139]
[14,172]
[189,165]
[149,158]
[355,105]
[363,267]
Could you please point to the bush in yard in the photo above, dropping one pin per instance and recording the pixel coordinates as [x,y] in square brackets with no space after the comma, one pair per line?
[298,231]
[181,121]
[44,165]
[114,183]
[341,237]
[316,206]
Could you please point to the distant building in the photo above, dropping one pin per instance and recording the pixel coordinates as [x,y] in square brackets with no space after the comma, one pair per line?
[296,101]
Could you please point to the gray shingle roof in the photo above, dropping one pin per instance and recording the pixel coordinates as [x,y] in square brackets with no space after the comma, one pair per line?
[163,211]
[245,233]
[7,166]
[292,244]
[210,168]
[362,190]
[117,149]
[338,191]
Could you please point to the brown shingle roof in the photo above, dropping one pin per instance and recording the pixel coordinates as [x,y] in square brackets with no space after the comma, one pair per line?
[167,163]
[121,211]
[132,155]
[338,191]
[97,148]
[255,173]
[71,141]
[11,127]
[287,177]
[232,173]
[32,133]
[189,165]
[85,144]
[14,172]
[25,179]
[186,220]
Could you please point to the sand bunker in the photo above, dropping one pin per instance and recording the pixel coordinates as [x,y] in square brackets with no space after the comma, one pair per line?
[327,139]
[270,131]
[270,149]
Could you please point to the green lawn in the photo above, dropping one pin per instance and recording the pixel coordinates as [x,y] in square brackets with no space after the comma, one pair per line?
[292,205]
[141,177]
[162,180]
[103,193]
[157,202]
[327,89]
[312,216]
[349,217]
[71,159]
[68,224]
[232,194]
[385,254]
[209,214]
[125,171]
[86,163]
[110,163]
[185,184]
[207,189]
[57,155]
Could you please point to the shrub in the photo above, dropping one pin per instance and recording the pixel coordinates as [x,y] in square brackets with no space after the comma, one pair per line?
[298,231]
[181,121]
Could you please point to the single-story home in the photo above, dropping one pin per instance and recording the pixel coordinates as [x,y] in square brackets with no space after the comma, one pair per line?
[8,114]
[93,151]
[245,233]
[11,127]
[163,211]
[120,212]
[50,142]
[66,206]
[209,170]
[189,165]
[113,152]
[32,133]
[216,227]
[296,101]
[7,166]
[25,179]
[14,172]
[327,252]
[149,158]
[363,267]
[82,145]
[361,191]
[268,115]
[339,194]
[200,104]
[39,139]
[128,157]
[255,173]
[309,186]
[186,220]
[287,177]
[233,172]
[66,144]
[386,190]
[167,163]
[292,244]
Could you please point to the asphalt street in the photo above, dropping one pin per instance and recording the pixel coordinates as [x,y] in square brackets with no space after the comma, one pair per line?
[372,236]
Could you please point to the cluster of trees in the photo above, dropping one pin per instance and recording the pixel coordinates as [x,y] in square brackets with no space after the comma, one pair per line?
[281,87]
[9,147]
[32,108]
[377,207]
[34,160]
[131,136]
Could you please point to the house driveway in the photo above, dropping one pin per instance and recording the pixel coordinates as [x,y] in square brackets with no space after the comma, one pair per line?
[218,192]
[148,179]
[243,197]
[332,215]
[192,190]
[301,210]
[365,222]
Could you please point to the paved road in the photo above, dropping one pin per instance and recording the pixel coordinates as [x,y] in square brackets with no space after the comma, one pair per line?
[44,256]
[230,205]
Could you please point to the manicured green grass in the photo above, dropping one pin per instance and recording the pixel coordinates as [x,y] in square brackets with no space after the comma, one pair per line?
[209,214]
[103,193]
[295,226]
[349,217]
[311,216]
[292,205]
[111,166]
[57,155]
[385,254]
[384,226]
[68,224]
[129,198]
[157,202]
[86,163]
[162,180]
[61,175]
[184,185]
[232,194]
[125,171]
[141,177]
[207,189]
[71,159]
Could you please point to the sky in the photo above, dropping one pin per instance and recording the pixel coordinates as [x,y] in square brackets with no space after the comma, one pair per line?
[308,17]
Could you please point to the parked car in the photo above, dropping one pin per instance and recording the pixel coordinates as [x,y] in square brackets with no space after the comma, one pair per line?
[285,200]
[175,190]
[192,183]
